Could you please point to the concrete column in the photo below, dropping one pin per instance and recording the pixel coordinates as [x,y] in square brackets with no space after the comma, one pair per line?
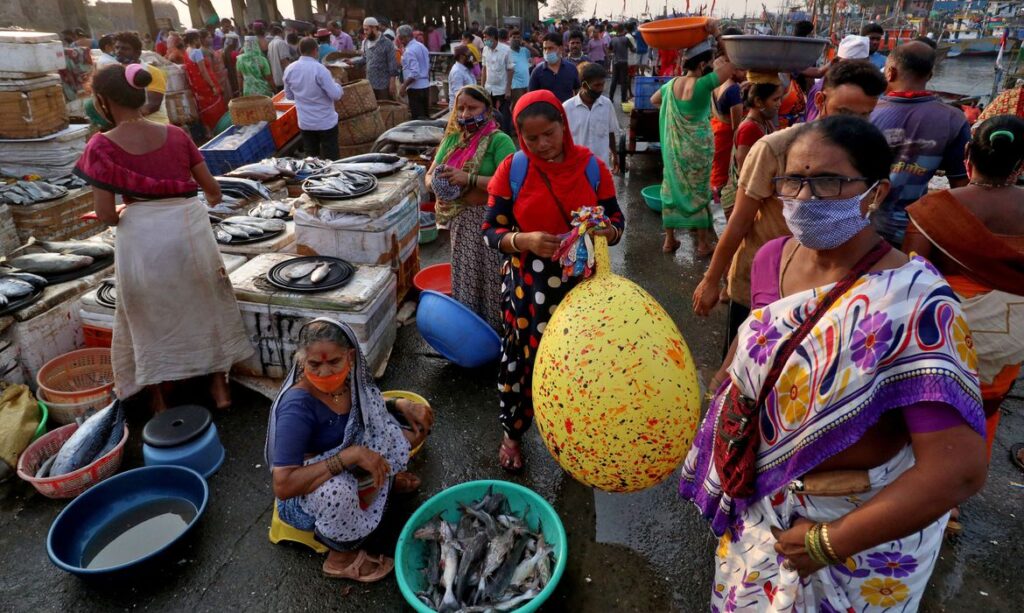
[145,19]
[238,12]
[303,10]
[73,12]
[194,14]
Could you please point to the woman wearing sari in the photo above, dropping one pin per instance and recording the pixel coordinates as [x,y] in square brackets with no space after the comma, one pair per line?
[336,449]
[975,236]
[164,238]
[254,70]
[687,145]
[831,491]
[468,156]
[525,228]
[208,93]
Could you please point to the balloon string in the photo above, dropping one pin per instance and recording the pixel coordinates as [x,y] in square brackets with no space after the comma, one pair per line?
[576,251]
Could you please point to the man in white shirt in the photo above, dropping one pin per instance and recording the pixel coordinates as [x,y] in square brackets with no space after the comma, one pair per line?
[279,55]
[592,118]
[311,86]
[460,75]
[498,70]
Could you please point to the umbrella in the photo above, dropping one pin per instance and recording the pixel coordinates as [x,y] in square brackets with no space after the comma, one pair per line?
[1008,102]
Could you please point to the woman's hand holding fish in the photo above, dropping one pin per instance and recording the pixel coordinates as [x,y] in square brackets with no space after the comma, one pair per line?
[373,463]
[790,545]
[541,244]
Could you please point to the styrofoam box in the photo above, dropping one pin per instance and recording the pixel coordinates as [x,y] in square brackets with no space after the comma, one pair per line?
[30,53]
[273,317]
[357,238]
[46,336]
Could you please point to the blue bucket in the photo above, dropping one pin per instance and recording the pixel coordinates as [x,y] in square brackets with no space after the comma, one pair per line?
[456,332]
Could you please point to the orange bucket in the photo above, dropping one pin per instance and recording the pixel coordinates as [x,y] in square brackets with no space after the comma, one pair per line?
[676,33]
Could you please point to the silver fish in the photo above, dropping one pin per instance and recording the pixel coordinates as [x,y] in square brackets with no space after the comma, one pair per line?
[449,566]
[497,550]
[36,281]
[92,249]
[508,605]
[249,229]
[50,263]
[234,231]
[301,270]
[503,576]
[13,288]
[222,235]
[472,554]
[528,567]
[267,225]
[44,468]
[320,272]
[98,435]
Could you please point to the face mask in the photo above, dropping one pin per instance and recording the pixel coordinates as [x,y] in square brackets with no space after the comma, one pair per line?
[330,383]
[489,44]
[472,124]
[551,57]
[825,224]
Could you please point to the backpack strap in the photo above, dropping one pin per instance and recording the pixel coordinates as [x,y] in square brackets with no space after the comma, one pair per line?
[593,172]
[517,172]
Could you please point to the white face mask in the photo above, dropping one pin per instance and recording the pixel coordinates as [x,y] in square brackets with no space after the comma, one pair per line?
[825,223]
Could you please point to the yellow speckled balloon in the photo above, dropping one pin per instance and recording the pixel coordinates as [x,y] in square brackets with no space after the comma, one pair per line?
[615,389]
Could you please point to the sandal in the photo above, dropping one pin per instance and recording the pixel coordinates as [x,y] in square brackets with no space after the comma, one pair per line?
[1015,452]
[509,454]
[406,482]
[384,567]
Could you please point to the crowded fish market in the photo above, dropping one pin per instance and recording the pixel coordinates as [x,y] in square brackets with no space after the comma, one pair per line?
[480,307]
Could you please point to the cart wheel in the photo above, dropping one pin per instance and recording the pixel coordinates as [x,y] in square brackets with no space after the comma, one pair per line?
[622,154]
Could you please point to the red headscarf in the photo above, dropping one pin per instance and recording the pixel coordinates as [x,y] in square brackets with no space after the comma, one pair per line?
[535,208]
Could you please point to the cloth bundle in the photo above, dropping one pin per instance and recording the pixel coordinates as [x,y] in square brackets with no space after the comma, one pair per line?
[576,253]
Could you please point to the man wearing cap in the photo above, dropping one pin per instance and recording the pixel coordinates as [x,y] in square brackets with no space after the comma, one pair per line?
[415,73]
[852,47]
[314,90]
[324,46]
[340,39]
[379,58]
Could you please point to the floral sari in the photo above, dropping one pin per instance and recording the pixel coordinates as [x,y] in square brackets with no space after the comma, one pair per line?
[896,338]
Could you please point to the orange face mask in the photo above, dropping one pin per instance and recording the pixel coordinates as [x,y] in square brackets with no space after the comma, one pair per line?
[329,384]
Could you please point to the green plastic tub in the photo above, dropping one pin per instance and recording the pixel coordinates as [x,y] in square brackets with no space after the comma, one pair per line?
[44,415]
[652,196]
[410,555]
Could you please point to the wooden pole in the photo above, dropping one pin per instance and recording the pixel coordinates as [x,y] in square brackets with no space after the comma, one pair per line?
[145,19]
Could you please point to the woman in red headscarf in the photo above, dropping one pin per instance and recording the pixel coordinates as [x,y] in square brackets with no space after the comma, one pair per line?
[525,228]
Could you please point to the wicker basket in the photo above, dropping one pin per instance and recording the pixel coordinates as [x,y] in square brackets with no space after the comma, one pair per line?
[57,220]
[362,129]
[75,482]
[74,377]
[32,108]
[357,99]
[339,73]
[248,110]
[181,108]
[393,113]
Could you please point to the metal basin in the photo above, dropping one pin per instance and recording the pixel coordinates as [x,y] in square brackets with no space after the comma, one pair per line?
[773,53]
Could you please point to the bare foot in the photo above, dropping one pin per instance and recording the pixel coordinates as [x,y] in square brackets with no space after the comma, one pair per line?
[511,455]
[220,390]
[671,243]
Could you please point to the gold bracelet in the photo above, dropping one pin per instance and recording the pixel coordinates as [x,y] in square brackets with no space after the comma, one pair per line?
[835,559]
[812,543]
[512,241]
[335,465]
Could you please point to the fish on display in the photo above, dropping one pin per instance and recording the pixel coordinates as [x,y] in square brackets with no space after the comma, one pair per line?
[13,288]
[35,280]
[260,171]
[416,132]
[489,560]
[267,225]
[377,164]
[340,184]
[48,263]
[320,272]
[300,270]
[91,441]
[271,209]
[30,192]
[93,249]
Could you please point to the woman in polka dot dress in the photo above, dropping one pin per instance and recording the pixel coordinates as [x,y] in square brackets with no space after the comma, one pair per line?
[526,232]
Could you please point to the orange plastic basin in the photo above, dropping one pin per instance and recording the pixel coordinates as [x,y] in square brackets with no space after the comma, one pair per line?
[437,278]
[676,33]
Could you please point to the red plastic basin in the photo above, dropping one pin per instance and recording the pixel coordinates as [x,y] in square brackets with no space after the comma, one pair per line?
[436,278]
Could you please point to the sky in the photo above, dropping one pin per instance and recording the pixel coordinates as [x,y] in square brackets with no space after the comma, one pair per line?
[723,8]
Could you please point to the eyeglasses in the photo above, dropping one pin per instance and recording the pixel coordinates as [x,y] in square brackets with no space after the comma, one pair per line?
[821,187]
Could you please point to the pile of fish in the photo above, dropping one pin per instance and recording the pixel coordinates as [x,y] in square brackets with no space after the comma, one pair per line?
[316,272]
[237,138]
[57,257]
[271,209]
[340,185]
[258,171]
[376,164]
[244,227]
[69,181]
[93,439]
[17,285]
[30,192]
[489,561]
[243,189]
[296,168]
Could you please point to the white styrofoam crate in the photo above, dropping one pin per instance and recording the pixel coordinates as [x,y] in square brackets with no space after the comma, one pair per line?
[30,53]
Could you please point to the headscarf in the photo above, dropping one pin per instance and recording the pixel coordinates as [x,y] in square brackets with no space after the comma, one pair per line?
[251,46]
[335,504]
[566,177]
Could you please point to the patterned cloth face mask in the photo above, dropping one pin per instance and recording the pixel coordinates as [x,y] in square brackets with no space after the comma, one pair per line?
[825,223]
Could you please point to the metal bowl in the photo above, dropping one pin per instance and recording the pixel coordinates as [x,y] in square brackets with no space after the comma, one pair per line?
[773,53]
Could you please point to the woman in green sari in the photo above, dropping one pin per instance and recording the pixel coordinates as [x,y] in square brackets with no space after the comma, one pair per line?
[466,160]
[687,144]
[254,74]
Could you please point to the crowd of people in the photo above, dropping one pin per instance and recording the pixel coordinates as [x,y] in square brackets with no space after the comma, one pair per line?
[871,339]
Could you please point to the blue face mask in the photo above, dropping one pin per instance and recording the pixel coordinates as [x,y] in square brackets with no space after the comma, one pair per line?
[489,44]
[827,223]
[551,57]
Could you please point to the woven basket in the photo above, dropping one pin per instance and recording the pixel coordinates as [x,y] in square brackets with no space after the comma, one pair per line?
[357,99]
[33,113]
[362,129]
[248,110]
[57,220]
[340,74]
[181,108]
[393,113]
[75,482]
[75,377]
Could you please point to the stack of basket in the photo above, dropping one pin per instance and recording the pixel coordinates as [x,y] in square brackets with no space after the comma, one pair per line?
[359,119]
[179,102]
[32,103]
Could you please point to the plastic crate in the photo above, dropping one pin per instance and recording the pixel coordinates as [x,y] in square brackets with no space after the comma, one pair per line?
[644,88]
[256,148]
[285,127]
[97,337]
[281,103]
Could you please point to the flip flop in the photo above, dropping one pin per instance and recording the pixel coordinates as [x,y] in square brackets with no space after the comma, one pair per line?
[510,453]
[1015,455]
[384,567]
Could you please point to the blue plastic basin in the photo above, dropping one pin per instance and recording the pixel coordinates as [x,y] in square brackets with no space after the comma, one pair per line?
[204,455]
[456,332]
[87,515]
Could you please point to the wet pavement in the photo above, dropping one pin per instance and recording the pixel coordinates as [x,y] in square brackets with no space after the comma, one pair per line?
[646,551]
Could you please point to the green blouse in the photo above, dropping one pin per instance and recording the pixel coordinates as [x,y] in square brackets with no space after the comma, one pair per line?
[500,147]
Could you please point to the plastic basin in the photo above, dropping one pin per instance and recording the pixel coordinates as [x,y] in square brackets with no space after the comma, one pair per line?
[773,53]
[676,33]
[44,415]
[652,196]
[456,332]
[410,553]
[110,500]
[437,278]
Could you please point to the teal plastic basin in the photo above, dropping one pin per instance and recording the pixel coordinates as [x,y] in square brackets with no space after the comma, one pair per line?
[410,555]
[652,196]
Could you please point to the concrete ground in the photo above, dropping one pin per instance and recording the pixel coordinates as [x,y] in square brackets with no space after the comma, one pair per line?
[647,551]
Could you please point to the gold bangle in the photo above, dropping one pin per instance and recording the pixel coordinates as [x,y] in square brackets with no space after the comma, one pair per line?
[512,241]
[335,465]
[812,543]
[835,559]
